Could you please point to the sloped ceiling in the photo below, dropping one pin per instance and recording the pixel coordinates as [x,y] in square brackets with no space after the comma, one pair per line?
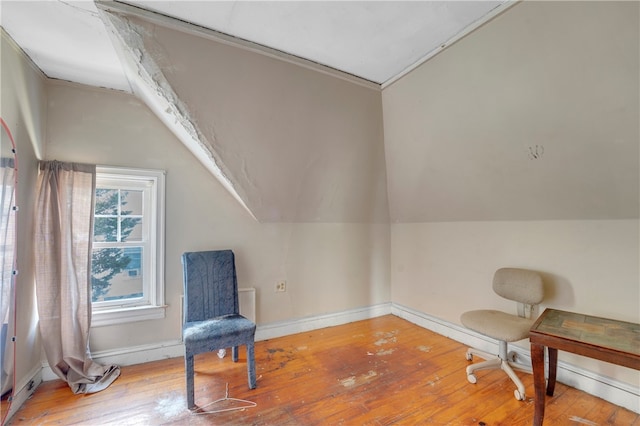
[533,116]
[297,145]
[289,143]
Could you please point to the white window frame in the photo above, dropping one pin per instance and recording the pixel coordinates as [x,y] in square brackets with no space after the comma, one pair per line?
[152,304]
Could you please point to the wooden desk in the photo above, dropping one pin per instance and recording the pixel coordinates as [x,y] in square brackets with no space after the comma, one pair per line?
[608,340]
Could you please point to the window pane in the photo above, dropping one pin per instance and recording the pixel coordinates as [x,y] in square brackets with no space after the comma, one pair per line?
[126,230]
[131,202]
[105,229]
[131,229]
[106,201]
[116,273]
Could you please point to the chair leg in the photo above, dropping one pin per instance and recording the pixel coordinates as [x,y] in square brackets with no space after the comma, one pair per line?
[234,354]
[484,365]
[188,364]
[251,365]
[519,392]
[501,361]
[491,361]
[471,352]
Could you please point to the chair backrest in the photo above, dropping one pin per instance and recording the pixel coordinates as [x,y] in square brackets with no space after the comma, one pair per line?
[210,285]
[520,285]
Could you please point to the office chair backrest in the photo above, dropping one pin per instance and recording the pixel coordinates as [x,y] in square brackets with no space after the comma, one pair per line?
[520,285]
[210,285]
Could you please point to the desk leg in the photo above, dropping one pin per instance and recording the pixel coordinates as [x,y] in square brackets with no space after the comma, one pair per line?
[553,367]
[537,362]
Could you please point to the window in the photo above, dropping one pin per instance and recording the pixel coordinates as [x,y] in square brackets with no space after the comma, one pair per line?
[127,262]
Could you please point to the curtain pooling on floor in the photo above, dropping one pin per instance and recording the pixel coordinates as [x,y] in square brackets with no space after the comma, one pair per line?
[63,236]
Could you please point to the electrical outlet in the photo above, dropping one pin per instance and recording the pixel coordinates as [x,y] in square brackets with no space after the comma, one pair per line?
[281,286]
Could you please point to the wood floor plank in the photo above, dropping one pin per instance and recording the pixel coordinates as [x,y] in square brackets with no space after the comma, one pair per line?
[383,371]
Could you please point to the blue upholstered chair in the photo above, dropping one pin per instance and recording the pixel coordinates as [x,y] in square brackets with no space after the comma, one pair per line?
[212,319]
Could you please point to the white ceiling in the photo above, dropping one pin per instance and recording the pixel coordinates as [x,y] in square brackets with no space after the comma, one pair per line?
[373,40]
[66,40]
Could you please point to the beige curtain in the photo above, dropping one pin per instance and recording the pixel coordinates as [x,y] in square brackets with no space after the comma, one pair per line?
[64,224]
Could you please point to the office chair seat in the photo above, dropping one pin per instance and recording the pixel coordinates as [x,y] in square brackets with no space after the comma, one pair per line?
[497,324]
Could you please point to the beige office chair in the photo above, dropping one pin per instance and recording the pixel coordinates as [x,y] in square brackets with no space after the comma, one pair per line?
[524,287]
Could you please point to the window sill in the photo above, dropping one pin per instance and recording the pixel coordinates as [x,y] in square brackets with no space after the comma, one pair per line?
[123,315]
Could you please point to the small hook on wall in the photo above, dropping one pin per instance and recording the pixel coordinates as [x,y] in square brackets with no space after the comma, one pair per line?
[535,152]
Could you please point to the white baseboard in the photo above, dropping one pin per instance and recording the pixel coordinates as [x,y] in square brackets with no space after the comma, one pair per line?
[172,349]
[26,388]
[301,325]
[128,356]
[611,390]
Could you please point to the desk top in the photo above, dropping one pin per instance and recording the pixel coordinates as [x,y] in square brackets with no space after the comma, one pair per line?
[616,335]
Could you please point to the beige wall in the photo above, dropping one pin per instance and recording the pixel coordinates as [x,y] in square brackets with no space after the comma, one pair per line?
[23,106]
[465,197]
[446,268]
[556,80]
[329,267]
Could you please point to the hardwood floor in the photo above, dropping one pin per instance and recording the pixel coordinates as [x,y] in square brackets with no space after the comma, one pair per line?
[383,371]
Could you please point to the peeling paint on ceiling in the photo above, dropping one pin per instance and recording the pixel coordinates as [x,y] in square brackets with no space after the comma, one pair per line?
[149,83]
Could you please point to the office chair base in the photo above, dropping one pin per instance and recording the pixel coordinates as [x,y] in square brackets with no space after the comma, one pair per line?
[493,362]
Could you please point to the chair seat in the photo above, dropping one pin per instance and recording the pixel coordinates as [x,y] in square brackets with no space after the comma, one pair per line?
[497,324]
[226,331]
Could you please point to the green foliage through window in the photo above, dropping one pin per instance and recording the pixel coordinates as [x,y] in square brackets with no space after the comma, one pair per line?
[113,224]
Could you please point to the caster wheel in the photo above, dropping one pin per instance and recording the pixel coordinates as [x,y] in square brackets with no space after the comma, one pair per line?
[472,378]
[512,356]
[469,356]
[519,396]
